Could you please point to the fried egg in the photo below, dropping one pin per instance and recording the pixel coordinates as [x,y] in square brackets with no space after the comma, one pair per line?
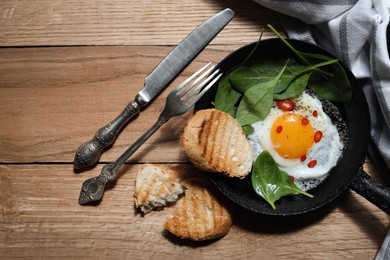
[301,138]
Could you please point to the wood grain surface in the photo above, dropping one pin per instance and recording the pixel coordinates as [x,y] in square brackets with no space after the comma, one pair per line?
[67,68]
[119,22]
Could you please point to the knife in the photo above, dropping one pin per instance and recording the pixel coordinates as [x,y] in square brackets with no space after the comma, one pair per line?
[89,153]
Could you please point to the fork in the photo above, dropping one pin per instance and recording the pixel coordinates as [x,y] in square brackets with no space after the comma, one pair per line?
[179,101]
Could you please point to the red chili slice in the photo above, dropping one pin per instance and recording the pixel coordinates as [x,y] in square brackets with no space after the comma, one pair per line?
[303,158]
[285,105]
[317,136]
[279,129]
[305,121]
[315,113]
[312,163]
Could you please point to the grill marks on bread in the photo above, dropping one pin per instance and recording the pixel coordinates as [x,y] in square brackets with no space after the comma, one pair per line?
[214,139]
[199,215]
[215,142]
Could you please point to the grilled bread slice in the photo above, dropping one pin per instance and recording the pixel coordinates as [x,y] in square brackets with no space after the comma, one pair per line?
[199,215]
[215,142]
[156,187]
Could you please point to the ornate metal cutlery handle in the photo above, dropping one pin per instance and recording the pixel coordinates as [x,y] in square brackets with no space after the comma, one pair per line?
[92,189]
[179,101]
[89,152]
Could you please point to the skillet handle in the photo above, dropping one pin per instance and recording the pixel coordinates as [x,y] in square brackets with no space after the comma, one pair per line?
[372,190]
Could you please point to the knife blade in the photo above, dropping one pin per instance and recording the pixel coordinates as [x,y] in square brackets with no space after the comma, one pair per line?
[88,153]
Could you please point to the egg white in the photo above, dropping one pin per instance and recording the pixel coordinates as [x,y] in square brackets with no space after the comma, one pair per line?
[327,152]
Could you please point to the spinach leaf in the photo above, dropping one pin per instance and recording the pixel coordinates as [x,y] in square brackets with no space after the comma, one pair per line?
[248,129]
[305,58]
[296,82]
[296,88]
[337,87]
[333,89]
[268,68]
[226,97]
[243,77]
[270,182]
[257,101]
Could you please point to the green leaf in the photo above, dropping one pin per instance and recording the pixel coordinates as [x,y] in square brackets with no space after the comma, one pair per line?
[268,68]
[226,97]
[243,77]
[337,87]
[305,58]
[294,72]
[248,129]
[297,81]
[270,182]
[257,101]
[296,88]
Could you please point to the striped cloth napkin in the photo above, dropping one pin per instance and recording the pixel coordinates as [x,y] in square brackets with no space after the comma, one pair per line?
[357,32]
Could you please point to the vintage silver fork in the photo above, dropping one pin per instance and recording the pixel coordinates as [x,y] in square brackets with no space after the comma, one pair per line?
[179,101]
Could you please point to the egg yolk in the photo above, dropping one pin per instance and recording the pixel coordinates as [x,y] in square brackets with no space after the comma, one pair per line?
[292,136]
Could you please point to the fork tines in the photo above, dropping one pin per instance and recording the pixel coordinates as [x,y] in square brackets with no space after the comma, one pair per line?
[188,94]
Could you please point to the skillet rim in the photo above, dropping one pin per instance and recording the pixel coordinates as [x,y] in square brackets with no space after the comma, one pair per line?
[356,116]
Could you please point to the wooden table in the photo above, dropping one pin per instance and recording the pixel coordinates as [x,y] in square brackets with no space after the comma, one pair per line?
[69,67]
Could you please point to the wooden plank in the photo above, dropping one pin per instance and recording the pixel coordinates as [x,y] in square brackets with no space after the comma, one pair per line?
[137,22]
[54,99]
[40,218]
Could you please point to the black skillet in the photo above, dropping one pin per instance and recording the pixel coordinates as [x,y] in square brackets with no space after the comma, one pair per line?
[348,173]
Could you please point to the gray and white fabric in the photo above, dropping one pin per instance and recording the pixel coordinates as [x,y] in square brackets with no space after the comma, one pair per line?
[357,32]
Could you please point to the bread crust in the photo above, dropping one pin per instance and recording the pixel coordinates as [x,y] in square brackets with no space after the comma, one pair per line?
[155,188]
[215,142]
[199,215]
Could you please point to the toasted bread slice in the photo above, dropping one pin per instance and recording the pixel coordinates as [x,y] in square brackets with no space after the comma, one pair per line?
[156,187]
[199,215]
[215,142]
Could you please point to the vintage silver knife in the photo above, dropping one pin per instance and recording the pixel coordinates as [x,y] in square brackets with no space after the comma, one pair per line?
[88,153]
